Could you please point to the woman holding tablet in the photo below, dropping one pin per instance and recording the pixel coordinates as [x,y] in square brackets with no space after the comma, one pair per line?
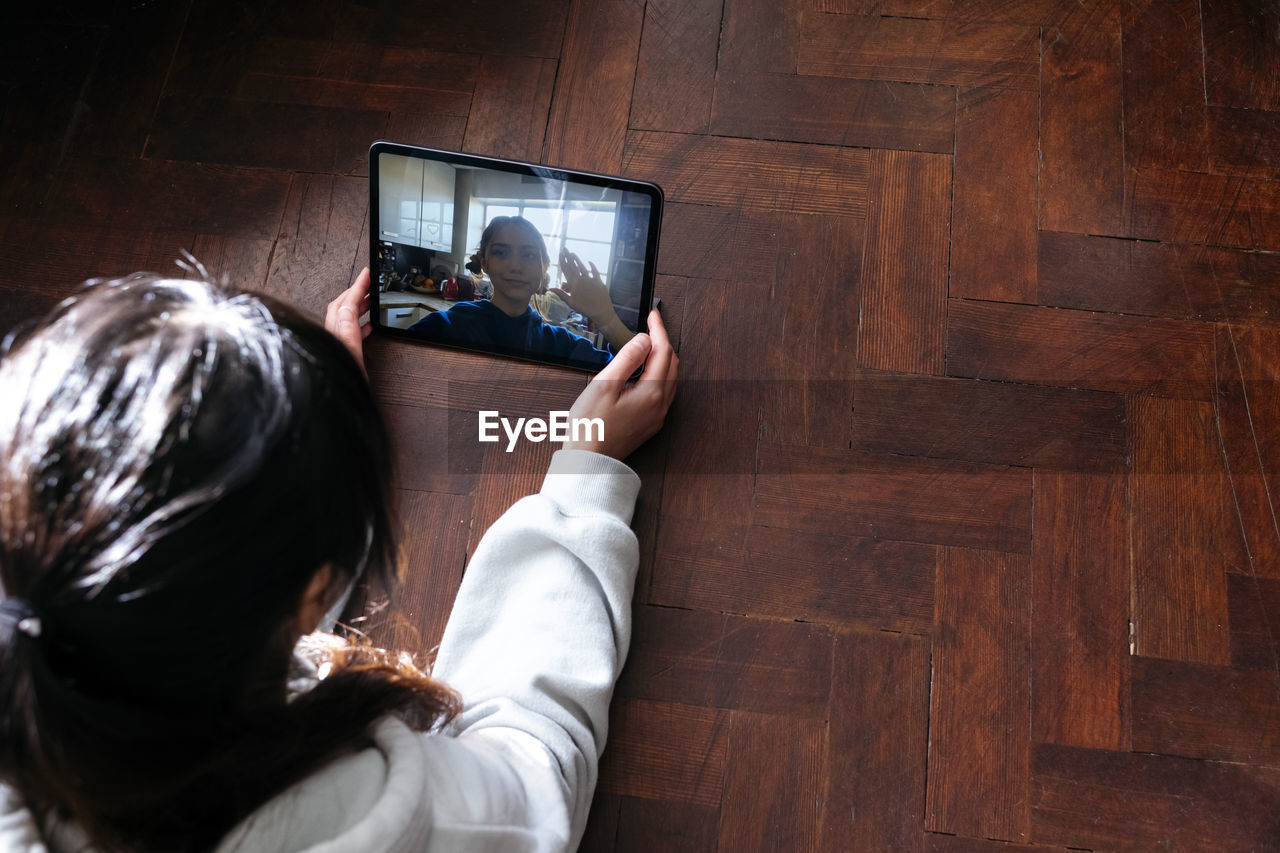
[514,256]
[190,480]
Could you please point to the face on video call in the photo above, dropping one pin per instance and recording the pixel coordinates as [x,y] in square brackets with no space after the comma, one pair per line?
[489,259]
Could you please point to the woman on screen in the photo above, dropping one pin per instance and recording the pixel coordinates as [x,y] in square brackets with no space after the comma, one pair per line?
[514,256]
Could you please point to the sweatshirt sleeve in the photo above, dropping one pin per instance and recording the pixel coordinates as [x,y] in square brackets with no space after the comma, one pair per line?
[539,633]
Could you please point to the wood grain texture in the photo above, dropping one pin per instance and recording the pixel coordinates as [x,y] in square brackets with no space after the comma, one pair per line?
[1247,402]
[759,36]
[433,542]
[665,826]
[1201,711]
[810,344]
[919,50]
[1184,532]
[1082,129]
[317,241]
[1216,210]
[302,137]
[1164,111]
[161,195]
[752,174]
[978,749]
[912,500]
[665,751]
[1080,612]
[117,105]
[1159,279]
[773,783]
[1095,799]
[996,422]
[722,661]
[1253,614]
[588,122]
[676,68]
[878,114]
[508,117]
[809,576]
[1077,349]
[1242,57]
[904,270]
[880,695]
[994,197]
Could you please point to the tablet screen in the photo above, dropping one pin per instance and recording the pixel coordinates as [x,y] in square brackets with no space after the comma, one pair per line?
[517,259]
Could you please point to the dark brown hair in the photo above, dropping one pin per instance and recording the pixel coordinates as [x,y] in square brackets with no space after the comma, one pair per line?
[176,463]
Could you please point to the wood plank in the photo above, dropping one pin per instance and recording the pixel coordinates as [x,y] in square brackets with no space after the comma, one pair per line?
[759,36]
[1253,614]
[993,210]
[588,122]
[773,783]
[878,745]
[298,137]
[1186,207]
[1081,129]
[716,660]
[423,72]
[824,577]
[697,240]
[1046,13]
[1247,402]
[871,114]
[752,174]
[245,263]
[168,196]
[995,422]
[433,541]
[979,713]
[1159,279]
[904,272]
[1200,711]
[664,751]
[342,94]
[47,262]
[120,98]
[602,823]
[1080,611]
[508,117]
[919,50]
[1243,142]
[317,241]
[655,826]
[1185,534]
[810,344]
[1078,349]
[676,68]
[1242,59]
[1164,111]
[45,78]
[889,497]
[1096,799]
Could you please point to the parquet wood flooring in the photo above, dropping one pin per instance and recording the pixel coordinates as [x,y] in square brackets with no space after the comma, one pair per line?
[962,534]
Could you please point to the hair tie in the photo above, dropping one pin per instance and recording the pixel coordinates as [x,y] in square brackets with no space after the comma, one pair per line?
[20,614]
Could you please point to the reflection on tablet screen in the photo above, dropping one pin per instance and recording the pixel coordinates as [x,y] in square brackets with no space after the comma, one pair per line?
[510,258]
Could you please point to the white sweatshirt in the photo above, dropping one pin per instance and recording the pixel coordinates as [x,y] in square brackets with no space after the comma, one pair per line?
[535,642]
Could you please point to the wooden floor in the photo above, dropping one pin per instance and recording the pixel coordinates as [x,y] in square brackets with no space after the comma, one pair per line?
[962,534]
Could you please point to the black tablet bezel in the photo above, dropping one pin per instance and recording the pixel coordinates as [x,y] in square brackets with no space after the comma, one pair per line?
[648,275]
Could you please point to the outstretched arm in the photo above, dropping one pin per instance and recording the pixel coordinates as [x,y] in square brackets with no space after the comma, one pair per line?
[585,292]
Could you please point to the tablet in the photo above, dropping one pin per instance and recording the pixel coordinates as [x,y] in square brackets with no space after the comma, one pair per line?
[516,259]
